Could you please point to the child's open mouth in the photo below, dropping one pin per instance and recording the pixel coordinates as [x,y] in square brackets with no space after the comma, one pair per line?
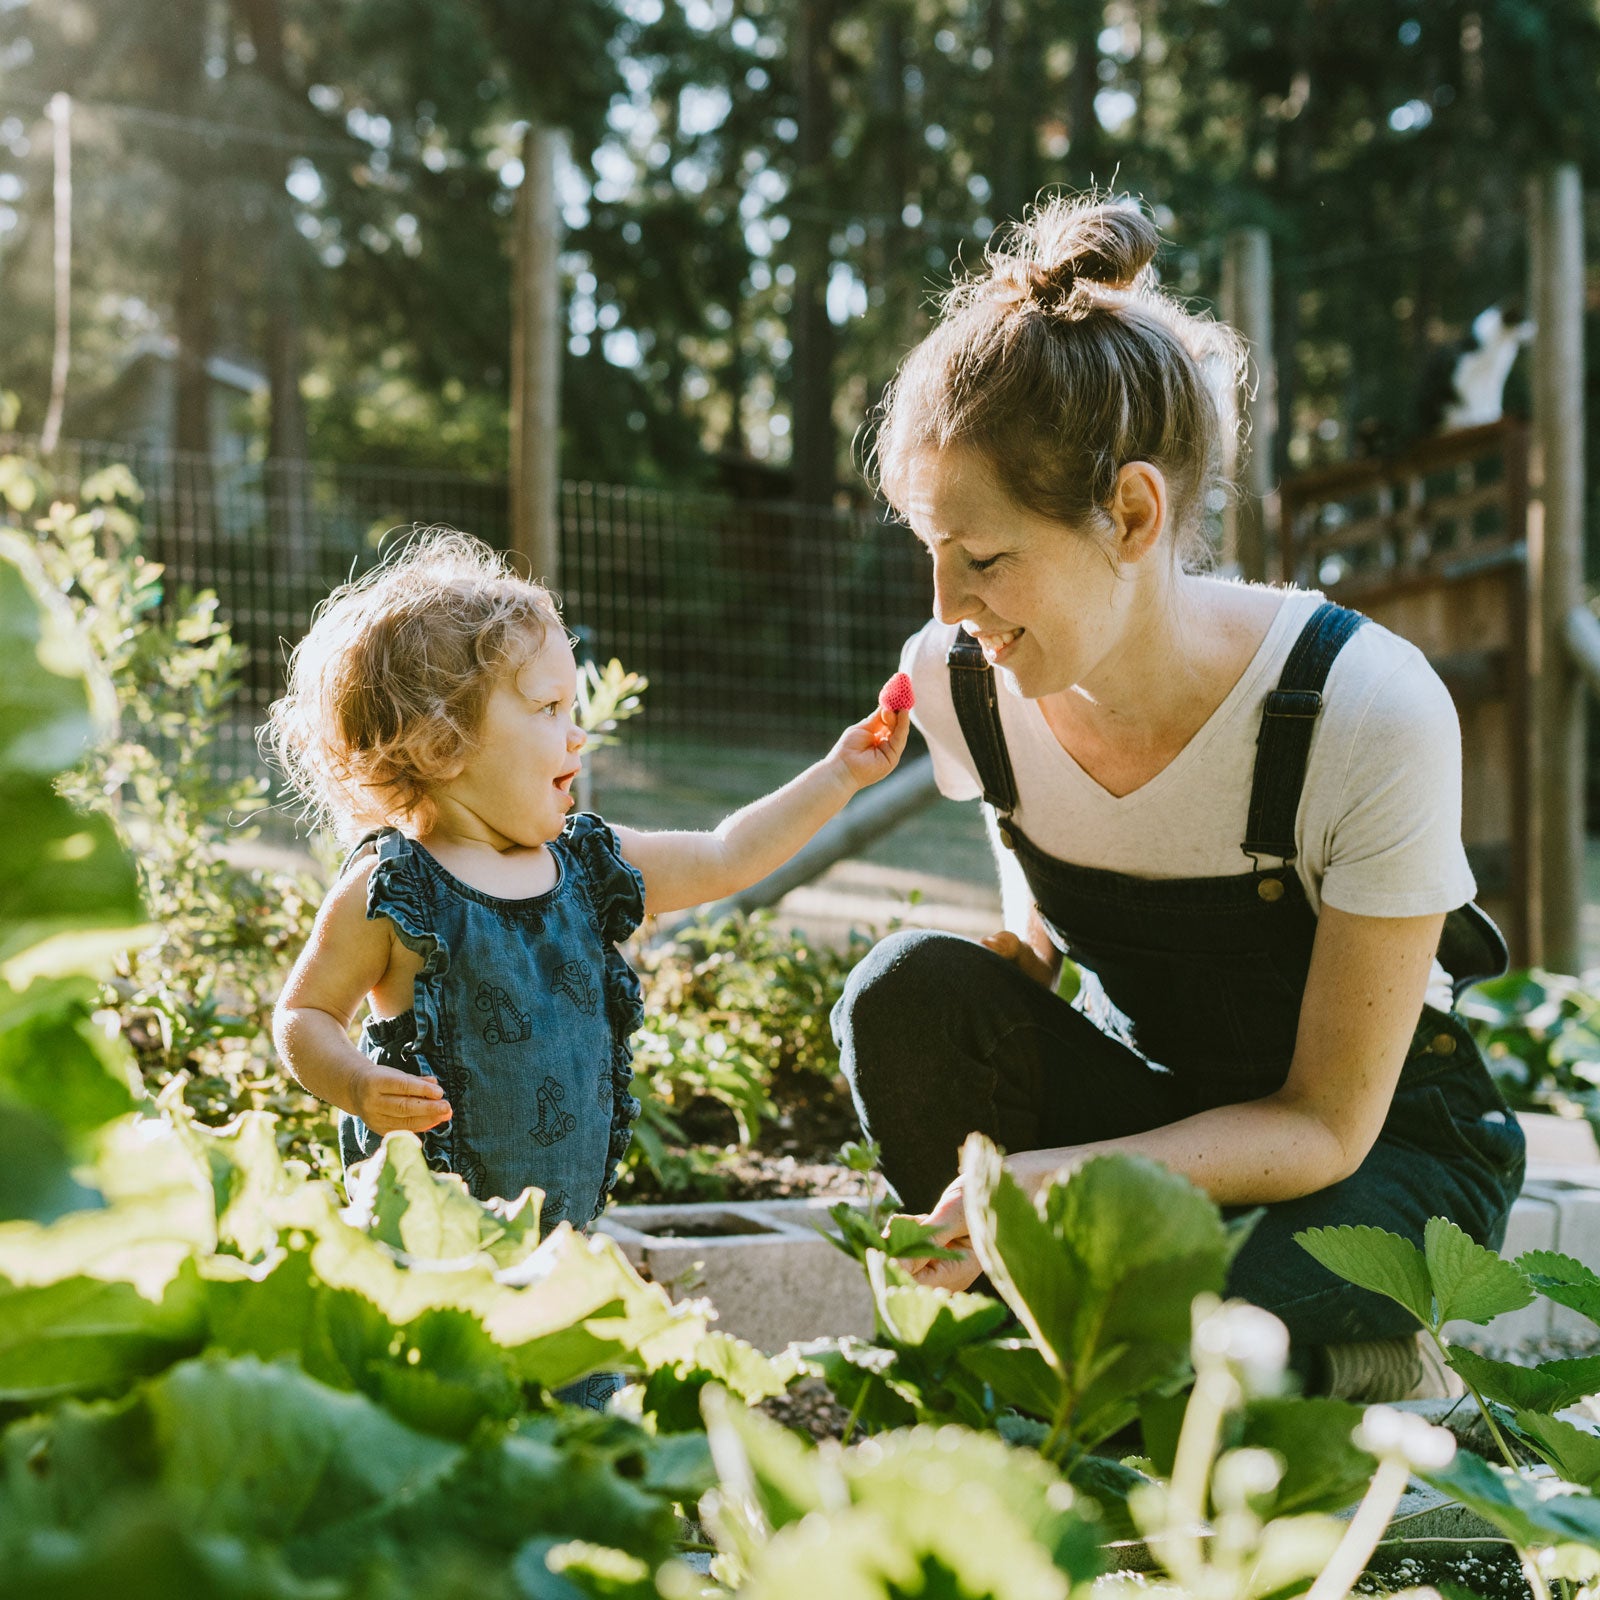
[564,784]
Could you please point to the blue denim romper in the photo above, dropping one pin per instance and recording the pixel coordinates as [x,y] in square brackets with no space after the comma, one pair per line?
[522,1011]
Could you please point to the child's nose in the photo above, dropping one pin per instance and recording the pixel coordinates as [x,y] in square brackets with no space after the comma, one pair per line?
[576,737]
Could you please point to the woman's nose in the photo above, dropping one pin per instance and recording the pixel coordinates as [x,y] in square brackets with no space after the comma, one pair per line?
[951,601]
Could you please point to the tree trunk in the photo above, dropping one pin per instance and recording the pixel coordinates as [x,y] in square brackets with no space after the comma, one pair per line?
[810,332]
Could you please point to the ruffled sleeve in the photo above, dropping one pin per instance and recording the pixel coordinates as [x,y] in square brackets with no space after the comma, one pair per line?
[614,883]
[617,893]
[396,890]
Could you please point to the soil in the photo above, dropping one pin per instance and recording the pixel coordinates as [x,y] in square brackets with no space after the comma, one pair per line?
[796,1152]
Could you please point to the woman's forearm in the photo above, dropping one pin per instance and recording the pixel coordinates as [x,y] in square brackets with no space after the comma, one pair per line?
[1253,1153]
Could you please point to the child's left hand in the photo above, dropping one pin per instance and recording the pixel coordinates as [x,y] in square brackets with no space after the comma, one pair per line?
[872,748]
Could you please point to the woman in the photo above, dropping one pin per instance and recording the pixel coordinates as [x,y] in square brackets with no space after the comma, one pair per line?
[1237,807]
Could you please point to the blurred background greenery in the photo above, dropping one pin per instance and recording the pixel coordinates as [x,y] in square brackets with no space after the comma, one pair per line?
[291,220]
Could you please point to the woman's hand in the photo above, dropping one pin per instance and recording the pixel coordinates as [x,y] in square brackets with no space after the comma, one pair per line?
[1026,958]
[949,1218]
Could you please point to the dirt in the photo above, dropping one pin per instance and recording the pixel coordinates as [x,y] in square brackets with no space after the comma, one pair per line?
[796,1153]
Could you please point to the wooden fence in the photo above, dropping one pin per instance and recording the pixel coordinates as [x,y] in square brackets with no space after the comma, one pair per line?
[1433,545]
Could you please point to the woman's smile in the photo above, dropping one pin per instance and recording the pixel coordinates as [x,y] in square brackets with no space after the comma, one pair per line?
[996,643]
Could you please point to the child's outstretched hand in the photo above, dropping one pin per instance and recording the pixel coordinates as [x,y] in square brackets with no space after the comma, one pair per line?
[872,748]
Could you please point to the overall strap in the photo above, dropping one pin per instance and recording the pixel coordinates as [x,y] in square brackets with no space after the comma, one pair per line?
[1284,743]
[978,711]
[371,835]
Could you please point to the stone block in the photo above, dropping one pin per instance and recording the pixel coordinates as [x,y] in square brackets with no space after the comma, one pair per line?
[765,1265]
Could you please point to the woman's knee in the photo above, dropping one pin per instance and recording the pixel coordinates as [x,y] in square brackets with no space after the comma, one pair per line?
[904,990]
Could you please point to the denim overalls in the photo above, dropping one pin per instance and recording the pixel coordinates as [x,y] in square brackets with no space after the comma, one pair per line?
[940,1037]
[522,1011]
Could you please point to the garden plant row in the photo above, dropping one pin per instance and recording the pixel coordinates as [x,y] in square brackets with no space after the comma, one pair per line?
[216,1379]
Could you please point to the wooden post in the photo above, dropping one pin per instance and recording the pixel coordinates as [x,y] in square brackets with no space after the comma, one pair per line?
[1556,547]
[536,347]
[1248,538]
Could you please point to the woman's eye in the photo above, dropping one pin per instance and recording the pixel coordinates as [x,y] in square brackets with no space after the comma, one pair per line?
[983,564]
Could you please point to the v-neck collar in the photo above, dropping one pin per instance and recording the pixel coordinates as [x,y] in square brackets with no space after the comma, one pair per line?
[1290,617]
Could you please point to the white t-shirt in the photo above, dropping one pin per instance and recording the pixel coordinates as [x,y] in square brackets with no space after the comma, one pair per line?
[1379,826]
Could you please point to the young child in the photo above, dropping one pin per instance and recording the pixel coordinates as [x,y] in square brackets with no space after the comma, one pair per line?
[431,709]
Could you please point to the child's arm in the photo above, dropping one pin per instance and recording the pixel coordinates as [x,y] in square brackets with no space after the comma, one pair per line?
[346,958]
[688,869]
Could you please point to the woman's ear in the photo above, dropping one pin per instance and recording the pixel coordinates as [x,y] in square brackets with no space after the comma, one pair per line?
[1138,510]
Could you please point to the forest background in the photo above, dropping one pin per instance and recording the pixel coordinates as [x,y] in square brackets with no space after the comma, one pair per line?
[762,200]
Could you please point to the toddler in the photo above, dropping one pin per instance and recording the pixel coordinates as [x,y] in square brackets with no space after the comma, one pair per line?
[430,714]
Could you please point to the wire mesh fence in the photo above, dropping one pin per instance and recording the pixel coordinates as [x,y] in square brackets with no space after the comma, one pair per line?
[758,624]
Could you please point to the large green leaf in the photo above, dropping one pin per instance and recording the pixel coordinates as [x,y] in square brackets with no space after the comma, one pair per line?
[1323,1469]
[1573,1452]
[1037,1275]
[1018,1374]
[59,870]
[1470,1283]
[1566,1281]
[1375,1259]
[1550,1386]
[83,1336]
[1522,1511]
[431,1216]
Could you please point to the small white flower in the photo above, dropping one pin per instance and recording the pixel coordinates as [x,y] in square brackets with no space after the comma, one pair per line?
[1253,1343]
[1240,1474]
[1387,1432]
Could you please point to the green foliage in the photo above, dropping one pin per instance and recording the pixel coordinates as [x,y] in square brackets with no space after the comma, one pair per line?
[195,1000]
[732,1006]
[1451,1279]
[1540,1033]
[1101,1269]
[935,1511]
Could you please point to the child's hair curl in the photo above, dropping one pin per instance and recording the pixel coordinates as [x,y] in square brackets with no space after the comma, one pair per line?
[386,692]
[1060,362]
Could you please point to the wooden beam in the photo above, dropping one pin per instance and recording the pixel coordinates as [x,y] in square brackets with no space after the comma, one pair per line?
[1556,537]
[537,343]
[1247,305]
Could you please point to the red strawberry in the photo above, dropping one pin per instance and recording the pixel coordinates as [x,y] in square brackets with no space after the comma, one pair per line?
[896,695]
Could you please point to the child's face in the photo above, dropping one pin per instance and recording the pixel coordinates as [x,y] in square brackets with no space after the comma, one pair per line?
[517,783]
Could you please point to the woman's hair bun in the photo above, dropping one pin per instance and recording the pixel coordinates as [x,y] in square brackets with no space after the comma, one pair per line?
[1063,243]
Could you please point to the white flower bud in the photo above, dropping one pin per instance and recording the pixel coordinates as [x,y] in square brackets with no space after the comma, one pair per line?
[1413,1439]
[1252,1343]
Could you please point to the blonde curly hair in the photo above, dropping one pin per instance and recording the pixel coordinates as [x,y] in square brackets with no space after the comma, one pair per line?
[386,693]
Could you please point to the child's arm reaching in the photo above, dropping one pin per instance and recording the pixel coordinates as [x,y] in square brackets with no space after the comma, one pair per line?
[345,959]
[688,869]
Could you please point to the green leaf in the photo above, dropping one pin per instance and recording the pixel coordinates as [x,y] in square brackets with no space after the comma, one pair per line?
[1550,1386]
[936,1323]
[1378,1260]
[1522,1511]
[59,870]
[1470,1283]
[1018,1374]
[430,1215]
[1038,1277]
[768,1478]
[1566,1281]
[906,1239]
[1573,1452]
[82,1336]
[1323,1470]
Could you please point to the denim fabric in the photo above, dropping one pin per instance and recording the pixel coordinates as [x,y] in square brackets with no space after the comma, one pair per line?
[523,1012]
[1203,979]
[940,1037]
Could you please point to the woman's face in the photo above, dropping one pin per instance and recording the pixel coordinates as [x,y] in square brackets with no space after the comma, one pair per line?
[1048,604]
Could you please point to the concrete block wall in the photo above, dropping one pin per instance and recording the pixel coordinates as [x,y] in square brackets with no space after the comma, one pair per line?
[766,1265]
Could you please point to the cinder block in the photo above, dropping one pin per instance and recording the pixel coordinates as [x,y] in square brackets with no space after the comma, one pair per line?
[1558,1141]
[1533,1226]
[765,1265]
[1577,1203]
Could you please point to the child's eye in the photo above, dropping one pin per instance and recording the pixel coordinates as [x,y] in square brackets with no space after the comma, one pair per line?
[551,708]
